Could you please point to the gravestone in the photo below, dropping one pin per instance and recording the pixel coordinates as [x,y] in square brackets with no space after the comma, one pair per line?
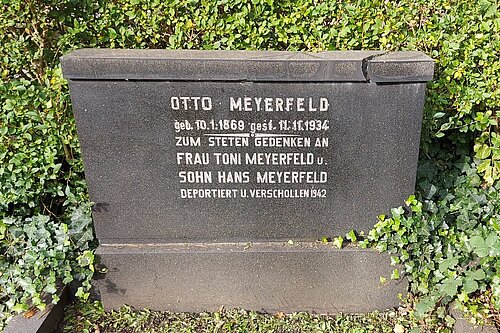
[214,173]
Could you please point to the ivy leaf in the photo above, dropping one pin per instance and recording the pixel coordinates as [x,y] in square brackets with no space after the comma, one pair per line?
[112,33]
[86,259]
[470,285]
[84,237]
[491,11]
[478,274]
[50,288]
[495,287]
[351,235]
[424,305]
[483,152]
[447,263]
[491,240]
[484,165]
[495,250]
[9,105]
[431,190]
[337,242]
[31,230]
[464,222]
[396,212]
[3,228]
[450,286]
[480,246]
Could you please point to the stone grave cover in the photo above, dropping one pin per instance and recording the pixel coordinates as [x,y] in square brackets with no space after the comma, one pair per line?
[214,173]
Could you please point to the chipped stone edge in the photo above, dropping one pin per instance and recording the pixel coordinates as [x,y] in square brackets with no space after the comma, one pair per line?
[46,321]
[371,74]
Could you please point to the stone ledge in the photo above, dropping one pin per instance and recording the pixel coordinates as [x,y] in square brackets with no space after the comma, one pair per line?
[271,66]
[266,278]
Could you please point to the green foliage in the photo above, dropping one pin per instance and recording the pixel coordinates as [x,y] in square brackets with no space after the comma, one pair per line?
[443,247]
[39,255]
[37,145]
[45,226]
[449,246]
[92,318]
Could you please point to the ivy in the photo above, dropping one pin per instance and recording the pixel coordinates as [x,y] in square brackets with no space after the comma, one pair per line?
[39,256]
[449,245]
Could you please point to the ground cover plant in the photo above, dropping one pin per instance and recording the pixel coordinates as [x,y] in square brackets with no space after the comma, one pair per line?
[448,247]
[92,318]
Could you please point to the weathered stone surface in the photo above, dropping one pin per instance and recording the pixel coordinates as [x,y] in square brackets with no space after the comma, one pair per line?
[190,155]
[128,140]
[409,66]
[266,277]
[463,326]
[104,64]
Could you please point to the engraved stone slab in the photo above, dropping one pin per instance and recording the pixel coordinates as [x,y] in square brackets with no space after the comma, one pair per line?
[198,149]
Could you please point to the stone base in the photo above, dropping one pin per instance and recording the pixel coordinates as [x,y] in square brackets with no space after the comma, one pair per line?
[266,277]
[462,325]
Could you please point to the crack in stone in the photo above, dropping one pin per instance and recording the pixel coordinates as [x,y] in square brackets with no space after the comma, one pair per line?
[365,61]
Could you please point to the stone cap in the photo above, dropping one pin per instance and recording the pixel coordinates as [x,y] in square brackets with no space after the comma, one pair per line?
[270,66]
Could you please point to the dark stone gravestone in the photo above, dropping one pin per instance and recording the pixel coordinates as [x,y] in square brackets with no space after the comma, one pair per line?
[203,165]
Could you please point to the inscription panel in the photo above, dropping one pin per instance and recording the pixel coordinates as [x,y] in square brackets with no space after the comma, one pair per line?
[220,161]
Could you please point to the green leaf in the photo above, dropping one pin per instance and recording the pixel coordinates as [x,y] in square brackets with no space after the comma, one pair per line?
[491,10]
[9,105]
[351,236]
[484,165]
[495,250]
[483,152]
[397,211]
[424,305]
[51,289]
[448,263]
[491,240]
[432,189]
[395,275]
[450,286]
[470,285]
[3,228]
[480,246]
[337,242]
[464,222]
[478,274]
[86,259]
[112,33]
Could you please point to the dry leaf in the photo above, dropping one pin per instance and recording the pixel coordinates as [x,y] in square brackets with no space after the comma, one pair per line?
[280,315]
[30,313]
[398,328]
